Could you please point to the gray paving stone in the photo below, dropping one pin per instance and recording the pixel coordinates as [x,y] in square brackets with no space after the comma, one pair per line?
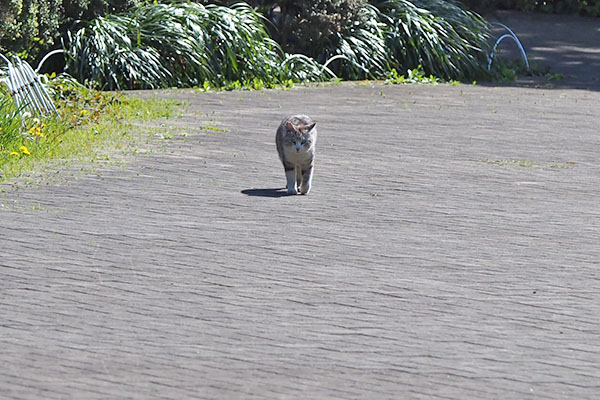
[427,262]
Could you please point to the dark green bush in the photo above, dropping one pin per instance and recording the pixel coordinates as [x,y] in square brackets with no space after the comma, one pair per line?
[188,44]
[309,26]
[30,28]
[368,38]
[446,40]
[324,29]
[183,44]
[143,43]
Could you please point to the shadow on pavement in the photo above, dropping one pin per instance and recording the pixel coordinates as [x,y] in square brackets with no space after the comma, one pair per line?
[266,192]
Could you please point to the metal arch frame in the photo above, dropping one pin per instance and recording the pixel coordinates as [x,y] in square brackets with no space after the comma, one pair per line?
[26,87]
[515,38]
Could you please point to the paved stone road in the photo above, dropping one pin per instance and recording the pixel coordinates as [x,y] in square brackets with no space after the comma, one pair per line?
[449,249]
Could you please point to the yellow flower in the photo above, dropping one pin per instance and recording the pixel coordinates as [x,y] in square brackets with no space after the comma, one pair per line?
[24,150]
[83,112]
[36,131]
[14,153]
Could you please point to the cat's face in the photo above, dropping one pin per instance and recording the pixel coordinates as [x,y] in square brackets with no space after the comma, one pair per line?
[299,138]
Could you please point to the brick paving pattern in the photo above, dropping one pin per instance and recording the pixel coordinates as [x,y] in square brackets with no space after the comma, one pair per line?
[448,250]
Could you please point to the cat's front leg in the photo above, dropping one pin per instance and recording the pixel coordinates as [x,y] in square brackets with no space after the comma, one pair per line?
[290,176]
[306,180]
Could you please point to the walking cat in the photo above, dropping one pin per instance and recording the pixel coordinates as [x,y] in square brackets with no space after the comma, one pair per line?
[296,138]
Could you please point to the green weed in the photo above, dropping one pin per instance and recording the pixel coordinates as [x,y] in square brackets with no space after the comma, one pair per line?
[213,128]
[416,75]
[509,163]
[92,126]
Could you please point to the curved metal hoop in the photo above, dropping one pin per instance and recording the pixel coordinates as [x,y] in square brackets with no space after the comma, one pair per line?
[26,88]
[47,56]
[515,38]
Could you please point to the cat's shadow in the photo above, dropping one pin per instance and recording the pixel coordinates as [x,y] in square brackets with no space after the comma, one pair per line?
[278,192]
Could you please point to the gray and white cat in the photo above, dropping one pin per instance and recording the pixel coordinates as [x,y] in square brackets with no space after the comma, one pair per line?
[296,138]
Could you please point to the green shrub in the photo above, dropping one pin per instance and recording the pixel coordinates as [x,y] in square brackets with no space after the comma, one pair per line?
[368,40]
[446,40]
[125,51]
[30,28]
[188,44]
[350,32]
[308,27]
[11,129]
[362,46]
[93,126]
[182,44]
[371,39]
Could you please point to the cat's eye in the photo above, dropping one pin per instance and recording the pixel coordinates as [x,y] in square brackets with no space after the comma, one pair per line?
[304,142]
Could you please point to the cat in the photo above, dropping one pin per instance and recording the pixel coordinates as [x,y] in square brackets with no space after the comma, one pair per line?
[296,138]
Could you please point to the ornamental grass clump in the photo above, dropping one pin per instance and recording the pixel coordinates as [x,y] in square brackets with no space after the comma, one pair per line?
[446,40]
[11,128]
[361,47]
[22,136]
[345,35]
[191,45]
[360,39]
[154,47]
[183,45]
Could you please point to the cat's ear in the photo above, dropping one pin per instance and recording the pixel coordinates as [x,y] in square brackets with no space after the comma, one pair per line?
[310,127]
[289,127]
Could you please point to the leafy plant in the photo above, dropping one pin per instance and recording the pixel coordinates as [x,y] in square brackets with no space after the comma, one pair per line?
[93,125]
[361,48]
[240,46]
[152,48]
[300,68]
[446,40]
[358,40]
[31,28]
[412,76]
[21,137]
[11,125]
[28,27]
[183,44]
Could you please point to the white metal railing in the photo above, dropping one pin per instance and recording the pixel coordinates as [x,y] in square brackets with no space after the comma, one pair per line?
[26,87]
